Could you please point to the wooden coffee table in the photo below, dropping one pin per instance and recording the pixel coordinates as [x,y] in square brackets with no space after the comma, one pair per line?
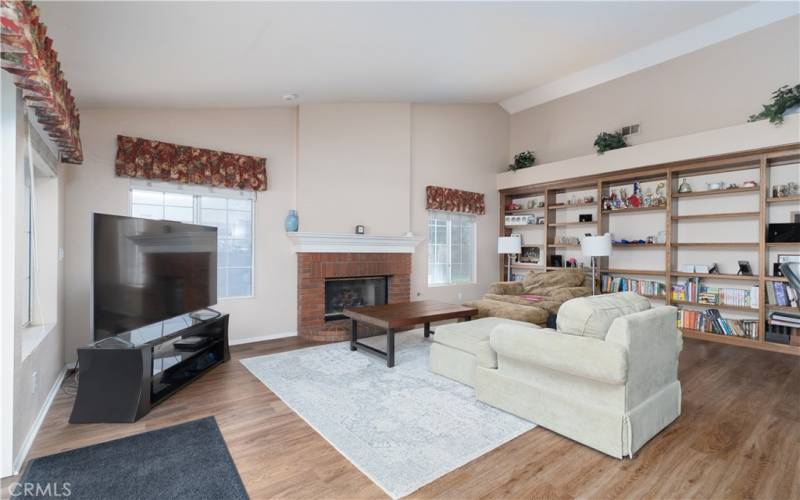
[393,316]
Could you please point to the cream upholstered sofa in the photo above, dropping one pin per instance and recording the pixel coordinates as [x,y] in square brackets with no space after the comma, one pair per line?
[607,377]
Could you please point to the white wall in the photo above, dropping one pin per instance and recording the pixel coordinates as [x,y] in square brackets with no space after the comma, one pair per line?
[358,164]
[462,147]
[93,187]
[715,87]
[354,168]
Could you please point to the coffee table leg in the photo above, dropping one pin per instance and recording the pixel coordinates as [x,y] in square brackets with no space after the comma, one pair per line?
[389,347]
[353,335]
[428,330]
[468,318]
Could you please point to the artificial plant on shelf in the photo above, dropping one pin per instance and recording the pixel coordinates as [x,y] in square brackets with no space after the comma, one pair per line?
[606,141]
[783,99]
[524,159]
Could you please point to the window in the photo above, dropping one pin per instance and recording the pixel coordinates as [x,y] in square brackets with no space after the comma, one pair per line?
[27,242]
[451,248]
[231,214]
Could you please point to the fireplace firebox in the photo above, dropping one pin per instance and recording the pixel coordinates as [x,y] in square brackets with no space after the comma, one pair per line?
[341,293]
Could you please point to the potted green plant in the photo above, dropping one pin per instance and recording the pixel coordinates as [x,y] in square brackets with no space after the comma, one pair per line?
[524,159]
[785,100]
[607,141]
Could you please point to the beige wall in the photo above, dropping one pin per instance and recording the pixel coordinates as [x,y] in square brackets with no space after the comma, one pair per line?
[354,168]
[715,87]
[358,164]
[93,187]
[463,147]
[38,352]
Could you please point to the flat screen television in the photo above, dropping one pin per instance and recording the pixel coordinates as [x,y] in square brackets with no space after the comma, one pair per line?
[145,271]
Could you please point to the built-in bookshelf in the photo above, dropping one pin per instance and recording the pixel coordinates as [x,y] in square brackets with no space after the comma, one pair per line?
[744,206]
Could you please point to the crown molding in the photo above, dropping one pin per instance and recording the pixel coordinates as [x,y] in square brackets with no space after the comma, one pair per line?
[723,28]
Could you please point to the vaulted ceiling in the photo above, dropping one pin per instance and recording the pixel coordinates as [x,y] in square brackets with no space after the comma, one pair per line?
[233,54]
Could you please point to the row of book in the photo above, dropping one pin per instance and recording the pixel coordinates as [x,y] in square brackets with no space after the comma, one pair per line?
[642,287]
[780,318]
[711,321]
[692,291]
[781,294]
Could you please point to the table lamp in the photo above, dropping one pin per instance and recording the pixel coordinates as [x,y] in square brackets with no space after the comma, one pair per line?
[596,246]
[509,245]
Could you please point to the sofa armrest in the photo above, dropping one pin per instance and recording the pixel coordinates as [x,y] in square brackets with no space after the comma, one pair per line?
[581,356]
[506,288]
[654,344]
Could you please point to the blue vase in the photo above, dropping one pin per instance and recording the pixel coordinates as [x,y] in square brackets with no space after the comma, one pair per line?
[292,223]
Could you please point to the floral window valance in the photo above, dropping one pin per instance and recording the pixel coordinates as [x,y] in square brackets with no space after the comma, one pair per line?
[455,200]
[27,53]
[156,160]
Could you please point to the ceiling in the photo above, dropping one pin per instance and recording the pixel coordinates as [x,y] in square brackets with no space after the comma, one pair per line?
[226,54]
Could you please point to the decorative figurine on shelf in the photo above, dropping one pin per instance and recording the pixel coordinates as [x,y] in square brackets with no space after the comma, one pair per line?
[588,199]
[792,189]
[513,206]
[531,204]
[715,186]
[661,196]
[647,200]
[714,269]
[749,184]
[685,187]
[572,262]
[540,204]
[623,197]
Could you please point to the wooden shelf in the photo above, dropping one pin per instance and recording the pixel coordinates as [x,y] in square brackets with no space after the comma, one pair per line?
[512,226]
[722,244]
[568,224]
[654,297]
[721,307]
[716,192]
[638,245]
[736,277]
[528,245]
[641,272]
[718,216]
[586,269]
[524,265]
[787,309]
[634,210]
[756,163]
[740,341]
[783,199]
[524,211]
[573,205]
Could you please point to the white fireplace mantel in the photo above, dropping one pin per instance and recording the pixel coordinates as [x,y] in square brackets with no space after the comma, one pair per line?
[352,243]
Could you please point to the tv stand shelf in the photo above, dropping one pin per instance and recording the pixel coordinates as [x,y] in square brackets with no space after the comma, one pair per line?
[122,378]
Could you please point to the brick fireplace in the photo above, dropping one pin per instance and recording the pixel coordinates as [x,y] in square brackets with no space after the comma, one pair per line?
[314,268]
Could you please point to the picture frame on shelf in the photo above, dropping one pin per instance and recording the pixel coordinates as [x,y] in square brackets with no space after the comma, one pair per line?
[530,255]
[783,258]
[744,268]
[556,261]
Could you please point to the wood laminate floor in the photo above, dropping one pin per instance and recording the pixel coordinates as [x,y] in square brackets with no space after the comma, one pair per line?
[738,437]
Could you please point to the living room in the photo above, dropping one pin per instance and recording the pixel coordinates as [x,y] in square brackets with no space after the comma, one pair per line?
[394,213]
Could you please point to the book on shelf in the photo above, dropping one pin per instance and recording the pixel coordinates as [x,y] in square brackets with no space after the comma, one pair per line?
[691,290]
[609,284]
[780,294]
[711,321]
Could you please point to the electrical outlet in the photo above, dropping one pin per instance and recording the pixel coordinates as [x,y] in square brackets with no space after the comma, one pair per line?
[630,129]
[34,382]
[459,296]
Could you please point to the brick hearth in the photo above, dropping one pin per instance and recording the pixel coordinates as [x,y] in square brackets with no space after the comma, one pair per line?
[314,268]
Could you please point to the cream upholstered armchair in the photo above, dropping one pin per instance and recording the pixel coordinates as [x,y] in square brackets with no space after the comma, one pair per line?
[607,377]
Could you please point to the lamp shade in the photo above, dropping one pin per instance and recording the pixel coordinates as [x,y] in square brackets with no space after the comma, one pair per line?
[596,246]
[509,244]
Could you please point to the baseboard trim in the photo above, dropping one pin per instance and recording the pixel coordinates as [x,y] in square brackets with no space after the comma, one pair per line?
[37,424]
[271,336]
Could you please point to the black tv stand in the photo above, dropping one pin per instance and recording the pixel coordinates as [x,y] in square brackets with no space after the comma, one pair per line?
[123,377]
